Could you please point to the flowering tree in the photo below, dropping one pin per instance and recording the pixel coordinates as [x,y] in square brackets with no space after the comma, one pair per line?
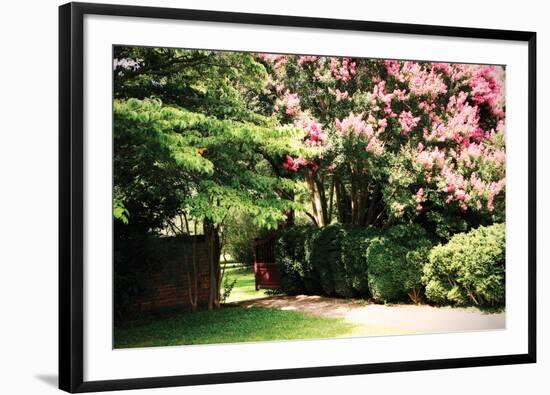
[395,140]
[209,134]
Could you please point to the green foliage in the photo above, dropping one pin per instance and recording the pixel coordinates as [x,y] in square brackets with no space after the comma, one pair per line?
[292,252]
[225,85]
[148,183]
[394,261]
[339,257]
[469,269]
[239,232]
[119,211]
[353,249]
[192,137]
[228,285]
[222,163]
[326,261]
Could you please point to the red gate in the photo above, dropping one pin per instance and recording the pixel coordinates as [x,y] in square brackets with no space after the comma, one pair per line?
[266,271]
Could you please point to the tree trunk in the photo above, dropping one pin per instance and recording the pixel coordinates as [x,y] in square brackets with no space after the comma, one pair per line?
[320,185]
[214,250]
[331,200]
[316,204]
[370,215]
[343,202]
[193,277]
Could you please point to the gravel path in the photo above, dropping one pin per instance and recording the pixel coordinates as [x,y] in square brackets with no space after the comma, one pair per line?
[388,319]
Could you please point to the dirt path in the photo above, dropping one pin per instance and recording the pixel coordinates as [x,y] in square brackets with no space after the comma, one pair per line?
[374,319]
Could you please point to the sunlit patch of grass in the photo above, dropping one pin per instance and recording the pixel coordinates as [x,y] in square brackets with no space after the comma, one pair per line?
[229,325]
[245,287]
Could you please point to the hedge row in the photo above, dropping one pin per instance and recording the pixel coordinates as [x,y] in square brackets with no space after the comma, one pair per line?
[348,262]
[394,264]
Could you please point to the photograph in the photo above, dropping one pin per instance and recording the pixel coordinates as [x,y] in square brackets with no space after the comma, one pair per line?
[264,197]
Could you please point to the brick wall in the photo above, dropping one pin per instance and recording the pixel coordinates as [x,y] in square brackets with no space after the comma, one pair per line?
[168,286]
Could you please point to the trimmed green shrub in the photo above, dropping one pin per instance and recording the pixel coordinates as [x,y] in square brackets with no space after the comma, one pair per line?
[469,269]
[325,259]
[395,260]
[329,261]
[338,255]
[352,260]
[292,253]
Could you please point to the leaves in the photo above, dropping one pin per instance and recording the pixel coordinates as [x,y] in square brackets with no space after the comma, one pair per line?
[223,160]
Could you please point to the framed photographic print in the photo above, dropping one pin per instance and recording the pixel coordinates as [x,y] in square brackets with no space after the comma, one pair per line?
[251,197]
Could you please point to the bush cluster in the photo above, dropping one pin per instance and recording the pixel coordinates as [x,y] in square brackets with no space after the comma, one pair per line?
[348,261]
[395,260]
[338,256]
[395,264]
[469,269]
[292,253]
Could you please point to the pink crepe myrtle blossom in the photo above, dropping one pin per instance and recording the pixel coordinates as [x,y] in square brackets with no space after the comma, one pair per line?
[375,146]
[428,158]
[317,74]
[342,68]
[462,122]
[494,189]
[357,126]
[382,125]
[305,59]
[276,59]
[422,81]
[452,114]
[393,68]
[314,131]
[407,121]
[453,180]
[293,164]
[342,95]
[353,124]
[442,66]
[419,198]
[455,71]
[487,83]
[471,153]
[400,94]
[379,94]
[291,102]
[461,195]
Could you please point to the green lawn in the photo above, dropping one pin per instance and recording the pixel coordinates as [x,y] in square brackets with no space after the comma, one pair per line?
[229,324]
[244,288]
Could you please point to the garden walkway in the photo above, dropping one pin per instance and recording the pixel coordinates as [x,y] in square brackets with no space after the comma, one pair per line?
[375,319]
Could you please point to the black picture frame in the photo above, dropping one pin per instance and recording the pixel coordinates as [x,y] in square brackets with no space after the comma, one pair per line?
[71,204]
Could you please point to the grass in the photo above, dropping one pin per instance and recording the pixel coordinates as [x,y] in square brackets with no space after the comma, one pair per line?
[229,324]
[244,288]
[235,324]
